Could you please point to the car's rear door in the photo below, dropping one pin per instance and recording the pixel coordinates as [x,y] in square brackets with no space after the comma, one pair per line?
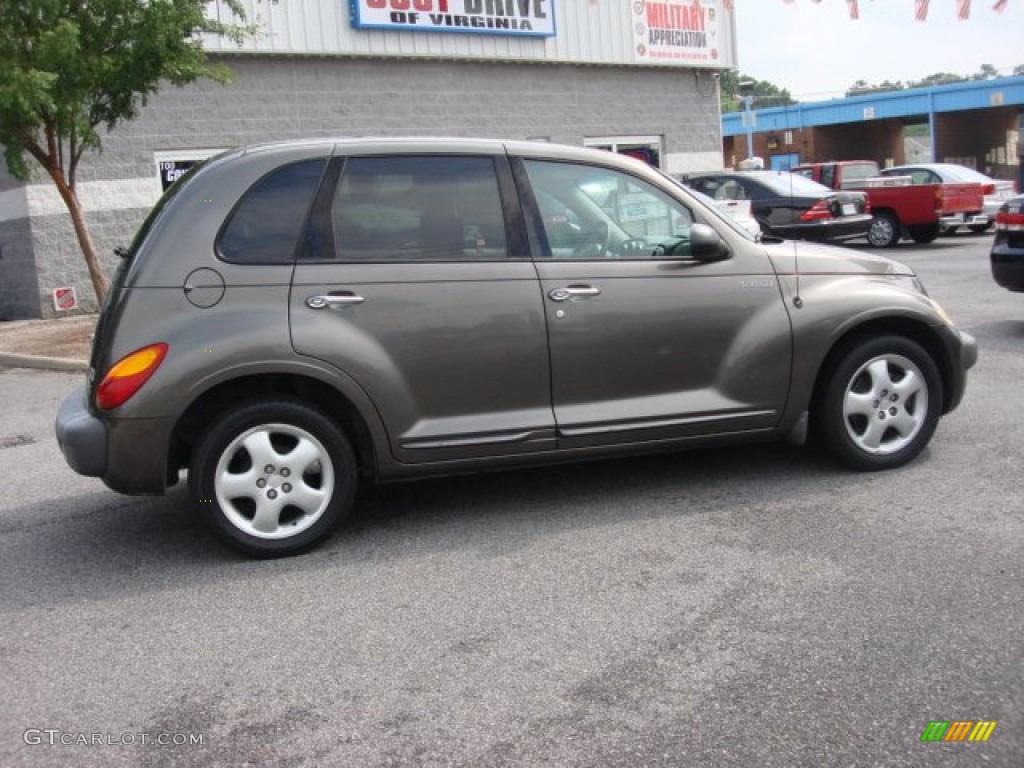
[416,282]
[645,346]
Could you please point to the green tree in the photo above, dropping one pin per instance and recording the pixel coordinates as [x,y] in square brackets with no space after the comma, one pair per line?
[939,78]
[764,93]
[70,67]
[987,72]
[861,87]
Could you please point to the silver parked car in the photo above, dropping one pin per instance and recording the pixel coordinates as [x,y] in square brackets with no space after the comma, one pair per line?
[295,319]
[996,192]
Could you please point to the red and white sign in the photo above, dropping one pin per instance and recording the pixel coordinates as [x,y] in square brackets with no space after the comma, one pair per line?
[678,31]
[65,299]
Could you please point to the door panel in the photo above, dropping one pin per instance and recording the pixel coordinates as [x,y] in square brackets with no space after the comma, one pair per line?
[646,348]
[665,350]
[430,302]
[454,357]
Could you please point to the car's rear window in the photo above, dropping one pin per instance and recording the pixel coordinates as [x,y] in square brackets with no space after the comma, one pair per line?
[786,184]
[266,225]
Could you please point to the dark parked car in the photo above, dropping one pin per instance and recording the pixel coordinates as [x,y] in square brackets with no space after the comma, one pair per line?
[1008,245]
[791,206]
[295,319]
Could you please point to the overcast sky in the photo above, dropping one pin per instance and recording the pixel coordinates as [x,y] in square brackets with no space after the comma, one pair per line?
[817,51]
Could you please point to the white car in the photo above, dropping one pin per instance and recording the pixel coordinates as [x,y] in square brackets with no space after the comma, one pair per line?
[997,192]
[739,210]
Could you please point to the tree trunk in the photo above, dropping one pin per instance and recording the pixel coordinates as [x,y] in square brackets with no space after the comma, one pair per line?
[100,283]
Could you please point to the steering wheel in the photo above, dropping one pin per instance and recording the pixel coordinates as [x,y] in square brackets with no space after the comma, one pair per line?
[595,245]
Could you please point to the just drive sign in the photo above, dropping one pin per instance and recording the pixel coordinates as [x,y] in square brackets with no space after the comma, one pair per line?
[489,17]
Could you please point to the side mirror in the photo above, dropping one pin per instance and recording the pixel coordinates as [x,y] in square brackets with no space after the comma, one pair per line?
[707,245]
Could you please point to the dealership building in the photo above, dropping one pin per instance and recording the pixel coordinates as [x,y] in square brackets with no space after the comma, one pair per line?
[625,75]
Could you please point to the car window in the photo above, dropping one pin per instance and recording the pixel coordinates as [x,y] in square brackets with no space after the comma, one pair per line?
[589,212]
[418,208]
[266,225]
[790,184]
[706,185]
[917,175]
[854,173]
[731,189]
[965,174]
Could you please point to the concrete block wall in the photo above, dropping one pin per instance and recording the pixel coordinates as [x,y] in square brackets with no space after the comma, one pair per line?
[17,261]
[284,97]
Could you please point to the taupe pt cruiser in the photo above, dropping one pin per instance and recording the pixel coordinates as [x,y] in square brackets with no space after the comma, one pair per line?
[297,318]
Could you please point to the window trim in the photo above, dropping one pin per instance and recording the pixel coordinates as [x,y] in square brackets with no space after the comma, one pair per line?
[516,239]
[300,240]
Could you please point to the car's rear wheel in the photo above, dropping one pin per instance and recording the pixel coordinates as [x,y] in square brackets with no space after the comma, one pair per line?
[884,230]
[924,233]
[880,404]
[979,228]
[273,477]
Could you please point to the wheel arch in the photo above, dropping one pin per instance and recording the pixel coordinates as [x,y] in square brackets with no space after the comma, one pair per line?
[908,327]
[307,389]
[887,210]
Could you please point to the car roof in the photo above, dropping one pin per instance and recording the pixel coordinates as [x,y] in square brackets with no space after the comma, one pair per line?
[372,145]
[363,144]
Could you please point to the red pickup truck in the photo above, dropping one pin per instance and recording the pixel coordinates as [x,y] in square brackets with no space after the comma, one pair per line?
[900,208]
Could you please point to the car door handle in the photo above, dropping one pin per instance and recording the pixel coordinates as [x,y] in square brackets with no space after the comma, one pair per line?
[573,292]
[334,300]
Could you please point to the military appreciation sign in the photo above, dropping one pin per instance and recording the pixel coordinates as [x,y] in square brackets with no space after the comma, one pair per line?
[677,31]
[489,17]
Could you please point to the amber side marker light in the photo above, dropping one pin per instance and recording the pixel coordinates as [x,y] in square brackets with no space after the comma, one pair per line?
[128,375]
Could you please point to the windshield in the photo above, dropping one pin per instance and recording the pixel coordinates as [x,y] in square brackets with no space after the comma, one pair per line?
[790,184]
[859,171]
[946,172]
[963,173]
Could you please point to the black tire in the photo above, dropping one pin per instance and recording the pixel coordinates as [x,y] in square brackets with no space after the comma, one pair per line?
[271,452]
[895,395]
[884,231]
[979,228]
[925,233]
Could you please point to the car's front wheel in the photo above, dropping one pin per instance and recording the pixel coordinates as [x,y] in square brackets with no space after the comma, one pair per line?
[880,404]
[273,477]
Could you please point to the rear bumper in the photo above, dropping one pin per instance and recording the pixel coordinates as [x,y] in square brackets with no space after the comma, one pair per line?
[81,436]
[964,220]
[129,455]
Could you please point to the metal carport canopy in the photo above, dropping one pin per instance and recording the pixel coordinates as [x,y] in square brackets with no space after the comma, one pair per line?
[954,97]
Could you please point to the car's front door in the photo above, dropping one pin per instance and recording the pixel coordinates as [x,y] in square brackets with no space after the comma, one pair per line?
[646,343]
[416,281]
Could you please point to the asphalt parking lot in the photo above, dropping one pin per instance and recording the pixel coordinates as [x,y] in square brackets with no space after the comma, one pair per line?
[736,607]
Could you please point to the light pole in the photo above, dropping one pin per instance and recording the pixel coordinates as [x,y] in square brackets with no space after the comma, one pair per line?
[746,87]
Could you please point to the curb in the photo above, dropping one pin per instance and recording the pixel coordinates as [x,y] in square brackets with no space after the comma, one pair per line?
[41,363]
